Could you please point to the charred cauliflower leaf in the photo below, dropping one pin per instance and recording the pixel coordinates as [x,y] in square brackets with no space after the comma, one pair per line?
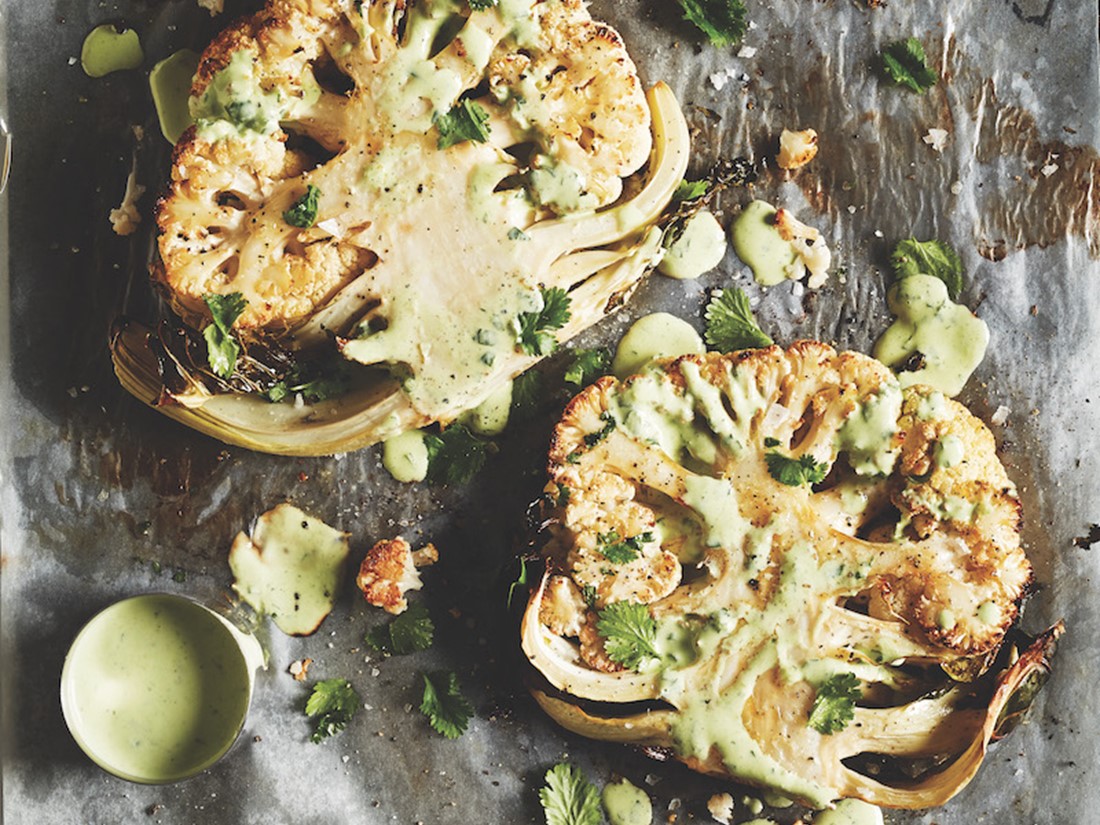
[822,569]
[393,186]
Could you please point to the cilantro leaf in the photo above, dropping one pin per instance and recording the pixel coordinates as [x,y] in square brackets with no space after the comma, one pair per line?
[465,121]
[629,632]
[587,366]
[592,439]
[730,322]
[303,212]
[482,5]
[528,391]
[314,383]
[454,455]
[835,702]
[568,798]
[222,349]
[794,472]
[334,702]
[447,710]
[621,551]
[724,22]
[689,190]
[913,257]
[904,63]
[410,632]
[517,234]
[536,335]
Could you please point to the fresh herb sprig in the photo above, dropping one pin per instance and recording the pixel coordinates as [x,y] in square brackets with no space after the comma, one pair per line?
[730,322]
[536,329]
[568,798]
[222,348]
[465,121]
[724,22]
[834,705]
[587,365]
[905,63]
[620,551]
[913,257]
[794,472]
[448,711]
[410,632]
[455,455]
[629,633]
[333,702]
[303,212]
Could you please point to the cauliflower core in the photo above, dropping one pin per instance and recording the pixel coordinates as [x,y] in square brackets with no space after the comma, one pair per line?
[462,161]
[773,520]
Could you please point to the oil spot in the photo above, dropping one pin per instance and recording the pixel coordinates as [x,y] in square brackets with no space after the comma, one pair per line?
[1045,190]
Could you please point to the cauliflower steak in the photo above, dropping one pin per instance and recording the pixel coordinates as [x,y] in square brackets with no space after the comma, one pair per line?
[805,572]
[399,188]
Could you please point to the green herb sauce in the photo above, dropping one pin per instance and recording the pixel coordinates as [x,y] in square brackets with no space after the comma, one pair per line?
[405,456]
[658,335]
[627,804]
[106,50]
[757,242]
[156,688]
[850,812]
[948,338]
[170,82]
[699,248]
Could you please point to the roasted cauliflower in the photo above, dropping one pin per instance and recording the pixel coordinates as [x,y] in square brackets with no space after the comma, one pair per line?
[805,571]
[393,190]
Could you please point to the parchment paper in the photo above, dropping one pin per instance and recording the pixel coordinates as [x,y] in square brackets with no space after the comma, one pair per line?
[100,498]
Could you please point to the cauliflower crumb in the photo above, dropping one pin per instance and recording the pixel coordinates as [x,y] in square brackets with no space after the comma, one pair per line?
[721,807]
[1049,169]
[796,149]
[300,669]
[125,219]
[936,138]
[213,6]
[389,571]
[747,52]
[719,79]
[815,255]
[1000,416]
[425,556]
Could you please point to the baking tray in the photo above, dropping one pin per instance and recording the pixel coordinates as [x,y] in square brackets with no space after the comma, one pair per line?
[102,498]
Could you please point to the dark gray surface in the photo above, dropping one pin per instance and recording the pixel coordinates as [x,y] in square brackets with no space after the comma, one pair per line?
[95,488]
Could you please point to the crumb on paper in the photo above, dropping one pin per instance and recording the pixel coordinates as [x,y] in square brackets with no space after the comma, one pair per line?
[1049,169]
[796,149]
[719,79]
[300,669]
[747,52]
[956,187]
[389,571]
[125,219]
[936,138]
[721,808]
[1000,416]
[213,6]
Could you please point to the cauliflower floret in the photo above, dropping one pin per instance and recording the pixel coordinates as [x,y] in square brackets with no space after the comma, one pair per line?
[796,149]
[125,219]
[720,806]
[410,126]
[850,528]
[389,571]
[808,244]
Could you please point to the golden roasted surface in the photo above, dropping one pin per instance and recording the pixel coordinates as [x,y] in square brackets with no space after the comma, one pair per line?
[325,88]
[897,558]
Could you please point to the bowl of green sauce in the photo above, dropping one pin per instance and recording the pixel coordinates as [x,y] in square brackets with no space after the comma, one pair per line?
[156,688]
